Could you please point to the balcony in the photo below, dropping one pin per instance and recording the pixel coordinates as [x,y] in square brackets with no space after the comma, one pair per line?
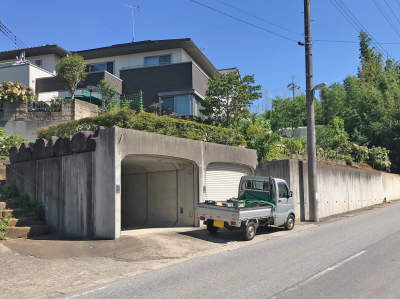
[52,84]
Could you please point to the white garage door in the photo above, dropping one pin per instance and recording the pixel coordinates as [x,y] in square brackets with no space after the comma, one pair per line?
[222,180]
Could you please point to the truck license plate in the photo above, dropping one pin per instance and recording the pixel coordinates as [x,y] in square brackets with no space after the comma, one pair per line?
[218,223]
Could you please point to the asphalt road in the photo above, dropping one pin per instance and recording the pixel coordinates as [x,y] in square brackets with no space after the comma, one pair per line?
[357,257]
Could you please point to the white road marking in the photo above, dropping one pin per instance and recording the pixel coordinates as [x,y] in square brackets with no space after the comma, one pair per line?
[85,293]
[323,272]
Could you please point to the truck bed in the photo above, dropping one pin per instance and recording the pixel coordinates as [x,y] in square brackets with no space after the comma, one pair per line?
[227,214]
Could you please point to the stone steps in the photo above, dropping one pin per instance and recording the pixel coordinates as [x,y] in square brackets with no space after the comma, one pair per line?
[23,223]
[5,213]
[26,231]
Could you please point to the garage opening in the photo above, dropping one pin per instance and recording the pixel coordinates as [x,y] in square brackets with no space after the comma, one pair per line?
[158,191]
[222,180]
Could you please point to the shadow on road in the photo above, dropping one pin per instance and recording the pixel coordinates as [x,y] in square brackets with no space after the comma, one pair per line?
[224,236]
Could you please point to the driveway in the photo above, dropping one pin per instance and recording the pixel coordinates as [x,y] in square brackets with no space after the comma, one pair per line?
[50,267]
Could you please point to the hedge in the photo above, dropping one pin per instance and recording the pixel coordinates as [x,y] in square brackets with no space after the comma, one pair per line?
[147,122]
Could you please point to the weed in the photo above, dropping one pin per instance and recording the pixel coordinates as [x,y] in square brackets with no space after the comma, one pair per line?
[4,224]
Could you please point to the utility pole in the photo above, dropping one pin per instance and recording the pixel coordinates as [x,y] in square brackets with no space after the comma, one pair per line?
[311,143]
[293,87]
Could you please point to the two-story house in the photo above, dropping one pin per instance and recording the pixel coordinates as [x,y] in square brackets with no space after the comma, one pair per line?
[172,73]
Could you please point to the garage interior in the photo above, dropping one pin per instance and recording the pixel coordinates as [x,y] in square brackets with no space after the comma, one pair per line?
[158,191]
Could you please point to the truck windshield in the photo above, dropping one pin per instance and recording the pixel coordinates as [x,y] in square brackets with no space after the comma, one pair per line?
[257,185]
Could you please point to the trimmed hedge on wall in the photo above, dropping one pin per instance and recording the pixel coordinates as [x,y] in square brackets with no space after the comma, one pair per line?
[144,121]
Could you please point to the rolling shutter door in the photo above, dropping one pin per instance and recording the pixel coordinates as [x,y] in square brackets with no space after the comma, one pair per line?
[222,180]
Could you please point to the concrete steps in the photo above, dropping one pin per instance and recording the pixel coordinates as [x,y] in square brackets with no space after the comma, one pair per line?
[25,221]
[5,213]
[22,223]
[27,231]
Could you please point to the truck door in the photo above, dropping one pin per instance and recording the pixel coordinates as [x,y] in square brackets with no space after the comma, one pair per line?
[283,205]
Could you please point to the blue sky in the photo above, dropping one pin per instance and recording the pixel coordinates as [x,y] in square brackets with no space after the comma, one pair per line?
[86,24]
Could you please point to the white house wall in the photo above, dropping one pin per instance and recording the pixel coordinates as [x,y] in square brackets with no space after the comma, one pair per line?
[49,61]
[36,72]
[137,60]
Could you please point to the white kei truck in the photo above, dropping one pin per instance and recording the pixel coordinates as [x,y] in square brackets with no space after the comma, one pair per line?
[261,202]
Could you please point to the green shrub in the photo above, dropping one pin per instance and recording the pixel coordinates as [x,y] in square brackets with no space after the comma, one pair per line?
[147,122]
[10,190]
[294,147]
[4,224]
[379,158]
[7,142]
[34,206]
[359,153]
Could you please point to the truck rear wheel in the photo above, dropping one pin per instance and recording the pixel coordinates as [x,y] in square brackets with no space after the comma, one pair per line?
[289,225]
[249,231]
[211,228]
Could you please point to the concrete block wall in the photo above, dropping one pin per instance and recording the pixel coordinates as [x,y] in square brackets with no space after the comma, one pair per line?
[340,188]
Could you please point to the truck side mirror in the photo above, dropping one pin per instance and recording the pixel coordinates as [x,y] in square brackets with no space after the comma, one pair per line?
[290,194]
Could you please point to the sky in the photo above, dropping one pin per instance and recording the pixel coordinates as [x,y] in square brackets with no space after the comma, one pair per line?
[257,36]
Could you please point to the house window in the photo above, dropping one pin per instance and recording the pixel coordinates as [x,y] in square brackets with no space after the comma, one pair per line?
[157,60]
[39,62]
[179,104]
[101,66]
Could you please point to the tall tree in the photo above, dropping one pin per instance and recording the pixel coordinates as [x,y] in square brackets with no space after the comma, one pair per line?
[290,113]
[72,70]
[228,99]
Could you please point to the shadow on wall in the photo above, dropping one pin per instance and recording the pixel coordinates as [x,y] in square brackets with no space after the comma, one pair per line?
[158,191]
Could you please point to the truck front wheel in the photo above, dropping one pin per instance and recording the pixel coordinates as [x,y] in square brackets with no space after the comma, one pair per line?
[289,225]
[249,231]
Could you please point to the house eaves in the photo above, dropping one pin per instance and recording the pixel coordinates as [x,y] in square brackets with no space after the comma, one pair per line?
[34,51]
[149,46]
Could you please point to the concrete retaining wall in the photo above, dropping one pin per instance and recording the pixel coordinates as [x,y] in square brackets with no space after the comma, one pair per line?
[60,176]
[17,119]
[79,179]
[340,188]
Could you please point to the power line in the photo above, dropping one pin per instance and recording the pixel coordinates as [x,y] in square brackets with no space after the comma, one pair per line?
[345,13]
[392,11]
[354,22]
[244,21]
[257,17]
[351,42]
[386,17]
[11,36]
[361,27]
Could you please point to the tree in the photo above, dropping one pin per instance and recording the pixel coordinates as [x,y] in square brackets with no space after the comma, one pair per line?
[108,93]
[72,70]
[228,99]
[7,142]
[290,113]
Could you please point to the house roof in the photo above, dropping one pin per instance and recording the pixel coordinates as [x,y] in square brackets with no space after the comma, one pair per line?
[153,45]
[229,70]
[34,51]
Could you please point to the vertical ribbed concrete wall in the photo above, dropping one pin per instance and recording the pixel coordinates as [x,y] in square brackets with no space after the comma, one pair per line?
[340,188]
[60,176]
